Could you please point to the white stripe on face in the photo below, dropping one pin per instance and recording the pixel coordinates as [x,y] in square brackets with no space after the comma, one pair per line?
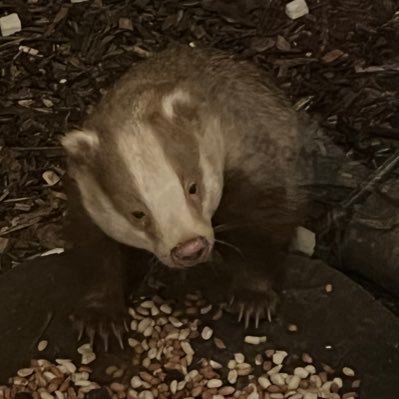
[161,191]
[169,101]
[211,164]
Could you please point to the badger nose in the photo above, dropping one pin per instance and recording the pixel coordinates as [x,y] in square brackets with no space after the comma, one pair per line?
[190,252]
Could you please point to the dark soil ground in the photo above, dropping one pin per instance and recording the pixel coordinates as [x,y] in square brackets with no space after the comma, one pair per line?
[340,63]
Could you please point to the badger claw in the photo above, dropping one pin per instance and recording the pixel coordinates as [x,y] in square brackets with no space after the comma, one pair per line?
[242,308]
[257,317]
[95,322]
[80,327]
[254,305]
[118,335]
[91,332]
[104,336]
[247,317]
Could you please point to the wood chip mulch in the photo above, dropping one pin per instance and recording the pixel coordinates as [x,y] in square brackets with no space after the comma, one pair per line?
[340,62]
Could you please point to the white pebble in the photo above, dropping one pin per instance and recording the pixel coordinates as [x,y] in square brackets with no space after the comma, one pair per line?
[215,365]
[338,381]
[301,372]
[175,322]
[146,395]
[10,24]
[187,348]
[88,388]
[264,382]
[165,308]
[50,177]
[133,342]
[78,1]
[136,382]
[59,394]
[181,385]
[328,288]
[277,379]
[144,345]
[46,395]
[25,372]
[304,241]
[214,383]
[173,386]
[254,394]
[189,359]
[348,372]
[310,369]
[218,397]
[88,357]
[146,362]
[310,395]
[253,340]
[231,364]
[293,382]
[296,396]
[275,369]
[315,380]
[172,335]
[133,325]
[258,359]
[148,331]
[296,9]
[147,304]
[154,311]
[239,358]
[152,353]
[82,383]
[206,333]
[42,345]
[232,376]
[183,334]
[327,386]
[144,324]
[192,374]
[83,375]
[84,349]
[279,357]
[206,309]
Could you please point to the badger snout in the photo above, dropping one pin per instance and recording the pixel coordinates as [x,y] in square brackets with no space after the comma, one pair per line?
[191,252]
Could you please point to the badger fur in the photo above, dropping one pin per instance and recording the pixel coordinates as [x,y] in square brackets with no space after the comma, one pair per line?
[190,149]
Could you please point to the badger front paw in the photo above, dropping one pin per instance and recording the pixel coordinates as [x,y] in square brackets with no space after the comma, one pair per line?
[95,318]
[252,298]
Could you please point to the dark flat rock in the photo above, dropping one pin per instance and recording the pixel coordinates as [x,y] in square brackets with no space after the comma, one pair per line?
[344,328]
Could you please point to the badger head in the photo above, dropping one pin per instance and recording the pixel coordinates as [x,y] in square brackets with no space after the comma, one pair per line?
[149,170]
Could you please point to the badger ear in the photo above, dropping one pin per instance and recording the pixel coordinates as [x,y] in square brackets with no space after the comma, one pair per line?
[179,103]
[79,144]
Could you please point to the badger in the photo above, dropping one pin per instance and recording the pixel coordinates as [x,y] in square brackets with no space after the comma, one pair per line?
[191,152]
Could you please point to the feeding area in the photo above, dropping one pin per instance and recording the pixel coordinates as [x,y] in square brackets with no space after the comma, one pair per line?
[195,323]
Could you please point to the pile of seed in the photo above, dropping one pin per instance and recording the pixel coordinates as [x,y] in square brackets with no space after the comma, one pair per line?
[164,338]
[46,380]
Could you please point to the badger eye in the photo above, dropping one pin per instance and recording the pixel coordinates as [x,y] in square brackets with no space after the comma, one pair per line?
[138,214]
[192,189]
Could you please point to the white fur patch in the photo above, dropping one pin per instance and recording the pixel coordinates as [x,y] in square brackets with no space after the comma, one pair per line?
[162,191]
[169,101]
[212,164]
[75,139]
